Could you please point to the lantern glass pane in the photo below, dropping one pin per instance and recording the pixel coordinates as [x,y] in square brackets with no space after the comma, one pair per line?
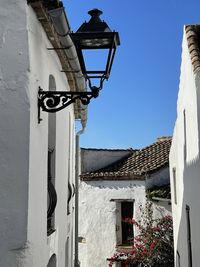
[95,42]
[95,60]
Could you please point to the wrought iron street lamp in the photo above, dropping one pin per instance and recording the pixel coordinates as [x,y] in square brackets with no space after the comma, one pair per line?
[92,35]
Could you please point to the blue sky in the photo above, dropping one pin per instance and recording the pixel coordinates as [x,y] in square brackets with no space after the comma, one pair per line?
[138,102]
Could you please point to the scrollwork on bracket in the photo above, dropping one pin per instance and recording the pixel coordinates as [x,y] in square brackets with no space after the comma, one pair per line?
[55,101]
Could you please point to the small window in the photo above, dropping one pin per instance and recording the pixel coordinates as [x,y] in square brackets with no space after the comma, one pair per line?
[51,167]
[70,194]
[124,231]
[189,242]
[174,183]
[127,229]
[70,150]
[51,197]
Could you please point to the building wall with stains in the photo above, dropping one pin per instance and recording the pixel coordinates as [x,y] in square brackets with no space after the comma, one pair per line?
[100,218]
[25,65]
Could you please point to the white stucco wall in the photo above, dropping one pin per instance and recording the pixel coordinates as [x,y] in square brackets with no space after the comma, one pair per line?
[100,205]
[184,157]
[14,134]
[25,65]
[48,63]
[97,217]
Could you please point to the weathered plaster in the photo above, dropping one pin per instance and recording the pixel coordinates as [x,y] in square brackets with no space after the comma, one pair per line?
[44,63]
[26,64]
[14,134]
[100,205]
[97,217]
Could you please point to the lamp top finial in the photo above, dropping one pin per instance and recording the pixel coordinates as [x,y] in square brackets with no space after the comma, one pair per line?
[95,12]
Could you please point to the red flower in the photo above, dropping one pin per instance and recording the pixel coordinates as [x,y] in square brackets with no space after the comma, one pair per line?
[133,251]
[153,244]
[155,235]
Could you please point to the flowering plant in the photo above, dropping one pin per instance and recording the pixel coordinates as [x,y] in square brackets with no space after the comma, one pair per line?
[152,247]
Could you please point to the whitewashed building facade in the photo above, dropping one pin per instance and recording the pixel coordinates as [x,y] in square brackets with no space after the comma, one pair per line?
[37,158]
[113,186]
[184,154]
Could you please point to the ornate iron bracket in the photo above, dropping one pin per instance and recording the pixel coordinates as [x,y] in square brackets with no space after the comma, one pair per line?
[53,101]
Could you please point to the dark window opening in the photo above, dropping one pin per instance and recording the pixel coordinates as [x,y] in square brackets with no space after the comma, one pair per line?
[51,166]
[127,229]
[70,194]
[51,198]
[52,261]
[189,242]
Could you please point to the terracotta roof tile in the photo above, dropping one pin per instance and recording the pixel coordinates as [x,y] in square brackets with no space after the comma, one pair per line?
[193,38]
[136,164]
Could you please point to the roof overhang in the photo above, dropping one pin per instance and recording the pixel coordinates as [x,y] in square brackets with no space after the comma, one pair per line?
[41,11]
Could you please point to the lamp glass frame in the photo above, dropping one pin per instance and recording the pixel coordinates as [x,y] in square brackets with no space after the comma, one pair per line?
[96,40]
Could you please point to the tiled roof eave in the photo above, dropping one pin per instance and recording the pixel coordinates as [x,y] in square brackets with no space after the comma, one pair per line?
[111,176]
[192,35]
[136,165]
[45,20]
[120,176]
